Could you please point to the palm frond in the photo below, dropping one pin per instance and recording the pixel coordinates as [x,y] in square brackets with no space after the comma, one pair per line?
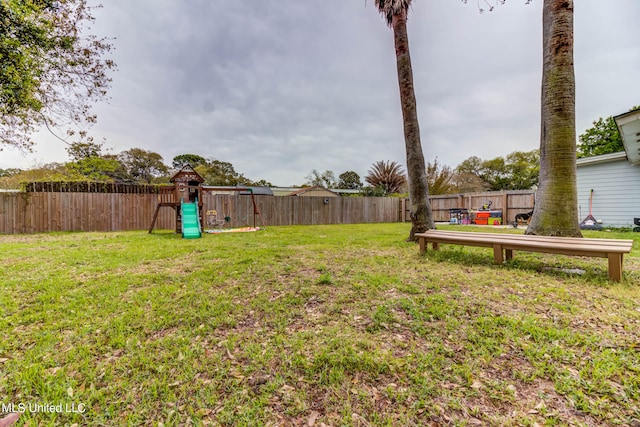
[388,8]
[388,175]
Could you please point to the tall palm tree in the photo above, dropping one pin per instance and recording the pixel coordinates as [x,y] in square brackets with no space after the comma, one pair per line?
[395,12]
[386,175]
[556,209]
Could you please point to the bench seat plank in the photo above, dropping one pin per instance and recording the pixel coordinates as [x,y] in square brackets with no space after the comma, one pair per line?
[504,245]
[508,236]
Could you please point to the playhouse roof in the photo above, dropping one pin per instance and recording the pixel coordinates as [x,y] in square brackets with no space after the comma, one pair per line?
[187,173]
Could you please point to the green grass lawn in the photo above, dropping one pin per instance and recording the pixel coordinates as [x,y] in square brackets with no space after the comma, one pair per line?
[322,325]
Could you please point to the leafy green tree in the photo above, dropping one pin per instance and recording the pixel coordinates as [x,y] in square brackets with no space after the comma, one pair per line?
[517,171]
[188,159]
[494,171]
[84,150]
[472,165]
[50,70]
[143,166]
[387,175]
[468,176]
[440,178]
[329,179]
[602,138]
[523,168]
[9,172]
[217,172]
[395,13]
[45,172]
[349,180]
[369,191]
[106,169]
[89,161]
[325,179]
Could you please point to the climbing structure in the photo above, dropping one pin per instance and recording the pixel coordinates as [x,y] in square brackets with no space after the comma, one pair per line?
[185,196]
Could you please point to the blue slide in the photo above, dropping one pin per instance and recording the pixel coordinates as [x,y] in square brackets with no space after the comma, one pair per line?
[191,228]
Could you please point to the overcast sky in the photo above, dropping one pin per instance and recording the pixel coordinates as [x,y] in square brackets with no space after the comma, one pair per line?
[281,87]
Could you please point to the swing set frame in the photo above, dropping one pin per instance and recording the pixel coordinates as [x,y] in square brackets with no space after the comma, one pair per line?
[167,198]
[256,209]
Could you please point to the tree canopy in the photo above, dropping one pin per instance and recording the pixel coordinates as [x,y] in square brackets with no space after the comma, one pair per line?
[188,159]
[387,175]
[325,179]
[602,138]
[143,166]
[349,180]
[50,70]
[91,161]
[516,171]
[440,178]
[218,172]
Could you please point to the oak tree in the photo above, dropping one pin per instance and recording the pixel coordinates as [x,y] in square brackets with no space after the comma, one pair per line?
[51,69]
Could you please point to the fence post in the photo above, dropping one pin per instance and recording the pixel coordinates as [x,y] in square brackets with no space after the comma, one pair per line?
[505,209]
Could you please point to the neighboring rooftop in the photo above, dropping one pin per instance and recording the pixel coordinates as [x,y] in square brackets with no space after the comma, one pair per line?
[288,191]
[602,158]
[258,191]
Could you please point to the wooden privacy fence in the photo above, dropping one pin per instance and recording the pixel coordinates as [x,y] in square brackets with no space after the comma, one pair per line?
[291,210]
[35,212]
[52,211]
[45,212]
[510,202]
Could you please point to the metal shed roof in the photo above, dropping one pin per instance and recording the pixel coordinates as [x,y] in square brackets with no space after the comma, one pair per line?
[242,190]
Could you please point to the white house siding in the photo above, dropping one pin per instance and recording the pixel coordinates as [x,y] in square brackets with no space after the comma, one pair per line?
[616,191]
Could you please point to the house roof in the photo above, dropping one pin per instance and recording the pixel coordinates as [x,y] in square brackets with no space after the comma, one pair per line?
[242,190]
[602,158]
[259,191]
[629,128]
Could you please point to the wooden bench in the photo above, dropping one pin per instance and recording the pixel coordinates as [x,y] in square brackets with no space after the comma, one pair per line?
[505,244]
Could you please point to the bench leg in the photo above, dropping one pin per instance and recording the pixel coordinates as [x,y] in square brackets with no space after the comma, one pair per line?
[424,245]
[508,254]
[497,254]
[615,267]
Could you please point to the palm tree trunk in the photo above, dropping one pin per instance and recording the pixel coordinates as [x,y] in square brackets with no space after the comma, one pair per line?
[556,208]
[421,216]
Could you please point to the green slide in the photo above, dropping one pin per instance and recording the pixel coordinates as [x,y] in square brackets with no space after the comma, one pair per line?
[190,220]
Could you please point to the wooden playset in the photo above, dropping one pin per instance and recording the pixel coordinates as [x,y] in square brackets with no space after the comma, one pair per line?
[186,192]
[185,195]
